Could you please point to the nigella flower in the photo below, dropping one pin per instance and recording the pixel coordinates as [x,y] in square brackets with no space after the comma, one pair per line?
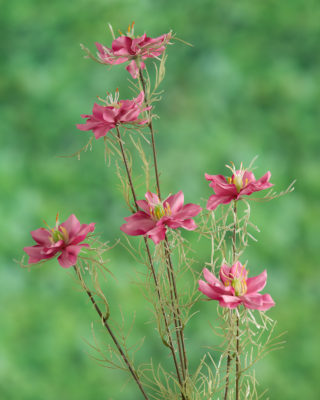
[242,182]
[235,288]
[158,215]
[127,48]
[64,238]
[115,113]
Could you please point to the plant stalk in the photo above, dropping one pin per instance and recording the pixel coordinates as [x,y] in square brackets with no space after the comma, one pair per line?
[115,341]
[237,362]
[171,277]
[234,253]
[155,163]
[171,345]
[176,312]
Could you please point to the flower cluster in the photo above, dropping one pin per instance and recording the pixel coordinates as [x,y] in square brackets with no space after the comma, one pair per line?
[158,215]
[235,288]
[242,182]
[128,48]
[155,215]
[115,113]
[154,219]
[64,238]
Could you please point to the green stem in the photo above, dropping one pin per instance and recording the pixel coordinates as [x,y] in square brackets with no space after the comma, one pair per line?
[155,163]
[238,365]
[171,346]
[171,277]
[107,326]
[176,312]
[234,254]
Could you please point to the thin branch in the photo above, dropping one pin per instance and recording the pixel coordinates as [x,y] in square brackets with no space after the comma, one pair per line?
[115,341]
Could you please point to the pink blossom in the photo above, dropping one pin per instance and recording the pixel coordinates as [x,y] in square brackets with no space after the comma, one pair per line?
[158,215]
[64,238]
[241,183]
[116,112]
[235,288]
[129,49]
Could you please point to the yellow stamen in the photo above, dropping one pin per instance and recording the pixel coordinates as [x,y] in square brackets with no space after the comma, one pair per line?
[240,286]
[160,210]
[46,224]
[237,181]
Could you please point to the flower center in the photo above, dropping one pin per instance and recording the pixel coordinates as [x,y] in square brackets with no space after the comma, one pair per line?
[240,286]
[160,210]
[237,178]
[57,234]
[237,181]
[130,32]
[112,101]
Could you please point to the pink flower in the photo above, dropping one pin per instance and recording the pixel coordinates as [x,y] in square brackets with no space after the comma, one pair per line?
[116,112]
[241,183]
[130,48]
[157,215]
[235,288]
[64,238]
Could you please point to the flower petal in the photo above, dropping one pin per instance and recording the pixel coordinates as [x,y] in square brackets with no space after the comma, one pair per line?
[208,290]
[138,224]
[258,301]
[256,283]
[41,236]
[157,234]
[69,255]
[152,198]
[188,210]
[210,277]
[238,271]
[36,254]
[225,274]
[229,301]
[144,205]
[121,46]
[188,224]
[82,233]
[72,226]
[215,200]
[102,130]
[175,202]
[133,69]
[256,186]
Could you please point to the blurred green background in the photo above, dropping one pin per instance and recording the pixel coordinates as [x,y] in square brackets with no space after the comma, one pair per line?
[249,86]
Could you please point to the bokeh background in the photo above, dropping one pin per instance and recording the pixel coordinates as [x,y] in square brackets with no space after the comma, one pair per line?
[249,86]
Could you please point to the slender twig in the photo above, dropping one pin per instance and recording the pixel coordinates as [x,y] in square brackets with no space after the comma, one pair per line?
[227,376]
[237,362]
[234,254]
[171,277]
[234,236]
[143,83]
[125,161]
[164,315]
[115,341]
[171,345]
[176,311]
